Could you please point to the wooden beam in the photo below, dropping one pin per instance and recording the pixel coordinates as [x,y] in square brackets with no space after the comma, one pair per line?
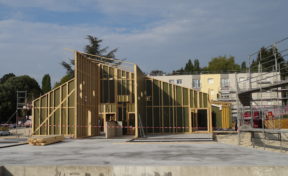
[136,99]
[76,95]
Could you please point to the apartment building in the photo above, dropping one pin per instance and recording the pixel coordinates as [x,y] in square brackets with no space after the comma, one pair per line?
[223,87]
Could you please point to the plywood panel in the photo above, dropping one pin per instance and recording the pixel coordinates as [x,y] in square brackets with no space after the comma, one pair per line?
[139,88]
[87,92]
[166,120]
[186,119]
[179,95]
[50,110]
[185,96]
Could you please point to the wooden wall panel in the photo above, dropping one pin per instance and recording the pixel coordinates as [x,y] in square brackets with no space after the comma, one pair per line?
[139,93]
[50,109]
[171,106]
[87,81]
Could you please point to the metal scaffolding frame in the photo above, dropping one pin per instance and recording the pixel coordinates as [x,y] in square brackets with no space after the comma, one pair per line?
[262,106]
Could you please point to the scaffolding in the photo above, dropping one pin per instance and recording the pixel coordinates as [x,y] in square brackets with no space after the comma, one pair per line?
[21,103]
[262,100]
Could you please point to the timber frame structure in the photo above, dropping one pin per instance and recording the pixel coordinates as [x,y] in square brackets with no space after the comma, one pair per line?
[104,90]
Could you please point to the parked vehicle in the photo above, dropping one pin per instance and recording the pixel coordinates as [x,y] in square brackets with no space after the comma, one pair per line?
[5,133]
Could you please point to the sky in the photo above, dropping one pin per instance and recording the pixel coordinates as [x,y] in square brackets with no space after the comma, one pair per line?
[155,34]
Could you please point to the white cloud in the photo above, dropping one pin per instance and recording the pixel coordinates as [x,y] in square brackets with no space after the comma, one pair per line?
[38,48]
[180,31]
[53,5]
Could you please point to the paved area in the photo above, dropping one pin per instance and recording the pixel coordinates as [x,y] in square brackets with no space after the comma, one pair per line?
[10,141]
[118,152]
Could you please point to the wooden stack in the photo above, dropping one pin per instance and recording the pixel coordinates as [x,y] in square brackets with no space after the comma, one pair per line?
[45,140]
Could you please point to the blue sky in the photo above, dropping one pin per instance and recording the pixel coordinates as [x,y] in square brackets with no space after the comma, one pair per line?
[158,34]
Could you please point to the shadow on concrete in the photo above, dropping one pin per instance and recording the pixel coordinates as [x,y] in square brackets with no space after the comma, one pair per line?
[5,172]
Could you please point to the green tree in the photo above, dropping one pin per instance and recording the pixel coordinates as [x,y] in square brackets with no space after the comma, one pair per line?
[63,80]
[222,64]
[189,68]
[8,94]
[68,66]
[93,48]
[156,73]
[197,65]
[267,58]
[243,66]
[181,71]
[6,77]
[46,83]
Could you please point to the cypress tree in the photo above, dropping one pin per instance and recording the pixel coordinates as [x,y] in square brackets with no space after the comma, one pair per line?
[46,83]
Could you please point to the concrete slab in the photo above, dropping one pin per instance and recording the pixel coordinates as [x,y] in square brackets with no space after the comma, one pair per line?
[103,152]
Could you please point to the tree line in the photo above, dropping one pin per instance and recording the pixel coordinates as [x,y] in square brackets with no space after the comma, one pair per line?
[221,64]
[267,60]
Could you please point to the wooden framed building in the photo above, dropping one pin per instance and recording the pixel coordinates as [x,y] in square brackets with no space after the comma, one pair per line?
[103,89]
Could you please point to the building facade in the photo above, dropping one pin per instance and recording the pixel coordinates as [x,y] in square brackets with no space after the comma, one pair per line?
[224,87]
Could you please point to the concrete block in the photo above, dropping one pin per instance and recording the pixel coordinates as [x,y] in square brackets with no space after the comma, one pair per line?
[145,170]
[112,129]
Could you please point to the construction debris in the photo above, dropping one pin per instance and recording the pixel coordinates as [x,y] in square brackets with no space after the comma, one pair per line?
[45,140]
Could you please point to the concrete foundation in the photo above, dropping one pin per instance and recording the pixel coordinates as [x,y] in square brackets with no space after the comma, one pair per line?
[144,170]
[113,157]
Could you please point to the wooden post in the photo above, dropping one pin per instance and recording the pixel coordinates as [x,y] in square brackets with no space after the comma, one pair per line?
[152,108]
[136,99]
[67,109]
[48,110]
[162,109]
[189,112]
[76,95]
[60,109]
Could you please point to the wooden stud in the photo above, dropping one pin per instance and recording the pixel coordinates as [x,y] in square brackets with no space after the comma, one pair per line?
[48,113]
[67,112]
[76,95]
[136,99]
[162,108]
[60,109]
[189,112]
[39,115]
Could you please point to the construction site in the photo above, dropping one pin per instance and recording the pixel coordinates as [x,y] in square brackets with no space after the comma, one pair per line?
[113,119]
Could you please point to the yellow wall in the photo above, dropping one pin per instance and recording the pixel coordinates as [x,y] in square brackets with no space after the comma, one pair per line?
[213,88]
